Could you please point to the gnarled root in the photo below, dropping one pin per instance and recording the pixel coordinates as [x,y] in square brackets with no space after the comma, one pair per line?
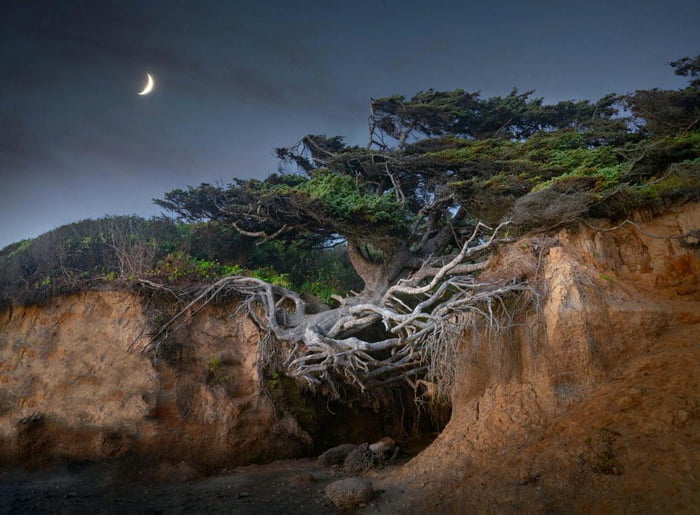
[415,325]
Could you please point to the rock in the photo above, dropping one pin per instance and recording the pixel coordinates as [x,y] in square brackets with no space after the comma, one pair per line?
[350,493]
[359,460]
[303,479]
[335,455]
[680,417]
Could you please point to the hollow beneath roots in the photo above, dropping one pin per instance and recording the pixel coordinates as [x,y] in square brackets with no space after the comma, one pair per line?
[330,422]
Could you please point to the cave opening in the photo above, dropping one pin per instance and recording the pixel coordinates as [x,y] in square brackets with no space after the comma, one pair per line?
[413,422]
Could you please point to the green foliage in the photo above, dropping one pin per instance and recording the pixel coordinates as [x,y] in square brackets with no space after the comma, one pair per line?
[493,176]
[90,252]
[77,255]
[605,175]
[464,151]
[214,364]
[682,179]
[16,248]
[272,276]
[663,112]
[178,266]
[216,373]
[516,116]
[583,161]
[330,275]
[322,272]
[688,67]
[602,454]
[614,181]
[347,201]
[550,141]
[273,381]
[181,267]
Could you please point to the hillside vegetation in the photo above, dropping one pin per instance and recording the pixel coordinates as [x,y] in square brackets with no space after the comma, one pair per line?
[117,251]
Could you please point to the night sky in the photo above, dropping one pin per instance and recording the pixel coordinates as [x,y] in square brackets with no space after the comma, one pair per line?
[235,79]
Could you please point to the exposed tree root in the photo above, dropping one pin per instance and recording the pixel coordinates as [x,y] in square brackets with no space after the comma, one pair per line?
[408,334]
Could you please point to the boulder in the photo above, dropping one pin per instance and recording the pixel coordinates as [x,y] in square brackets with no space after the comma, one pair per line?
[302,479]
[336,455]
[350,493]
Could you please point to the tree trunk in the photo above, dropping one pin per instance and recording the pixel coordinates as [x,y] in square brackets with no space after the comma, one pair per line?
[378,275]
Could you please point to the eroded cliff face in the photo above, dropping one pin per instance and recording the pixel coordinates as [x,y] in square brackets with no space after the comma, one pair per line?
[593,406]
[76,386]
[590,405]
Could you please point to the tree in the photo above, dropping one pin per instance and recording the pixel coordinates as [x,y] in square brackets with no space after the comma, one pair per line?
[412,207]
[664,112]
[414,244]
[430,113]
[688,67]
[515,116]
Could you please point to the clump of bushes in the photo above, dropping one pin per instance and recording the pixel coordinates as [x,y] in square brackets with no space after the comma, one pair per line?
[645,174]
[116,251]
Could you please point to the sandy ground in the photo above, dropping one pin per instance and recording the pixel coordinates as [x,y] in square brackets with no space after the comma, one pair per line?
[282,487]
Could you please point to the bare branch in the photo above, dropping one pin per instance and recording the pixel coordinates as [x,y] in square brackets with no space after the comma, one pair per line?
[461,256]
[260,234]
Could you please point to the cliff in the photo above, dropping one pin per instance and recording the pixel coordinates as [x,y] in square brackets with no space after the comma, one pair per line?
[592,406]
[589,403]
[76,387]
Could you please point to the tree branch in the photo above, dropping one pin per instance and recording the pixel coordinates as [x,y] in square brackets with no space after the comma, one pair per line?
[260,234]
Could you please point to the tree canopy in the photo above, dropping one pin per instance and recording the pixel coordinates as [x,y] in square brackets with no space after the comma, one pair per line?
[515,116]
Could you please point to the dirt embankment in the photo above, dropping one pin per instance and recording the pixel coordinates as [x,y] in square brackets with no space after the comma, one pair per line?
[594,407]
[76,387]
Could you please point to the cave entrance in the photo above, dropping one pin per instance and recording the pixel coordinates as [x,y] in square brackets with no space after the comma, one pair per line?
[356,419]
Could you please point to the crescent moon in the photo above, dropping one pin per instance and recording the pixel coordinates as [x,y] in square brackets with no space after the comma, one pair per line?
[149,85]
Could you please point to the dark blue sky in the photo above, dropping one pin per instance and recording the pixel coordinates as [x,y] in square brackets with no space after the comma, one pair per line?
[235,79]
